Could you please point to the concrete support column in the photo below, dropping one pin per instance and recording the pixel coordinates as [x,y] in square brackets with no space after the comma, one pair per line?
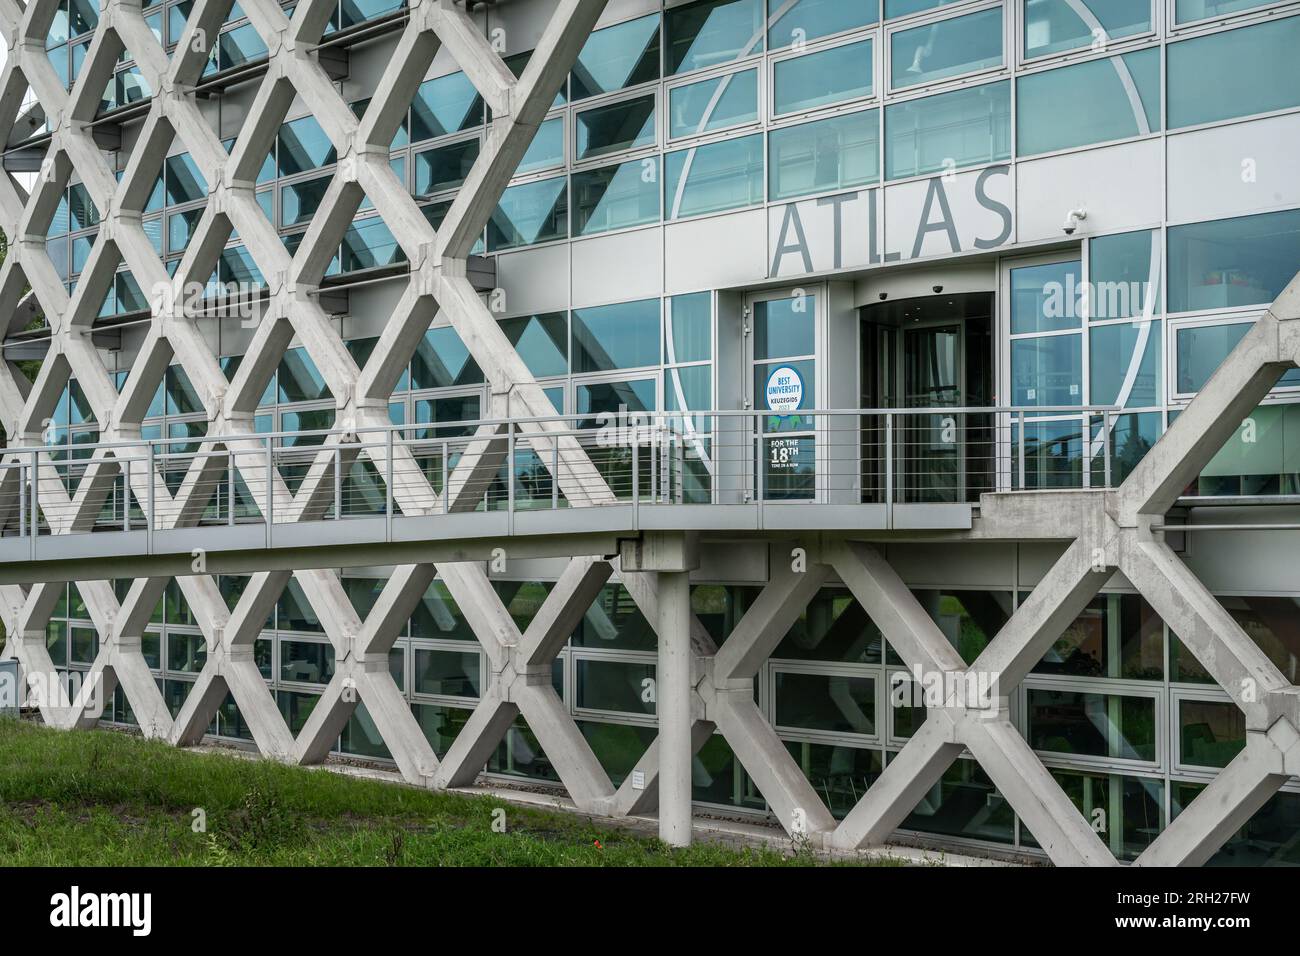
[674,702]
[671,558]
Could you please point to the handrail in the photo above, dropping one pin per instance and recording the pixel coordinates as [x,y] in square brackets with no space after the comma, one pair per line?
[647,419]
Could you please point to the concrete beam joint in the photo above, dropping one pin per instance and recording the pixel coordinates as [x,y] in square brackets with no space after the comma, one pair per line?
[661,552]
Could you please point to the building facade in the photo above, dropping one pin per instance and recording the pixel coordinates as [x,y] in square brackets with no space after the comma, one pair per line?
[900,296]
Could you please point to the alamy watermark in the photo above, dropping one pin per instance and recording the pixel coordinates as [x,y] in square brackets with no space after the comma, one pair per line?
[1072,299]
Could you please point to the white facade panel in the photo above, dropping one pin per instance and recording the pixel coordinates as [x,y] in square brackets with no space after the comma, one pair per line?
[715,253]
[535,280]
[1234,170]
[617,268]
[1121,188]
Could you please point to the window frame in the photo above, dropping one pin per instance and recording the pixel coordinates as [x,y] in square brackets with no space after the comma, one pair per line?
[930,18]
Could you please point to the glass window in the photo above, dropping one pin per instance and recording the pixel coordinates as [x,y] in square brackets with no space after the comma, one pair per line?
[530,213]
[1232,262]
[1211,732]
[1269,621]
[239,46]
[1268,839]
[1116,635]
[1047,372]
[307,662]
[833,627]
[185,652]
[1046,298]
[964,803]
[614,621]
[615,127]
[1131,437]
[359,11]
[905,8]
[709,105]
[1261,458]
[299,380]
[83,15]
[546,149]
[830,154]
[1125,362]
[714,178]
[1088,103]
[837,704]
[447,104]
[620,686]
[299,201]
[954,47]
[611,337]
[437,170]
[1055,26]
[442,360]
[600,403]
[1097,725]
[819,79]
[617,57]
[182,397]
[184,181]
[1202,349]
[1187,11]
[1125,274]
[542,341]
[447,673]
[456,413]
[783,328]
[1130,808]
[689,331]
[969,619]
[713,32]
[964,128]
[440,724]
[689,389]
[79,208]
[1235,73]
[616,197]
[518,62]
[303,146]
[618,747]
[811,19]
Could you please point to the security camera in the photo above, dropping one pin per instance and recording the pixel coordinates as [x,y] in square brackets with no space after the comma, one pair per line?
[1072,220]
[936,289]
[884,296]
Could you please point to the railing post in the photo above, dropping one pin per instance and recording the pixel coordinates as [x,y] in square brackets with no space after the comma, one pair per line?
[126,493]
[446,476]
[1021,455]
[889,469]
[636,485]
[510,478]
[555,475]
[388,487]
[230,485]
[635,433]
[1105,437]
[270,489]
[338,482]
[149,497]
[22,500]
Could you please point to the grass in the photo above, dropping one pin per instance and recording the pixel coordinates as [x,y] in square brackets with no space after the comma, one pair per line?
[101,798]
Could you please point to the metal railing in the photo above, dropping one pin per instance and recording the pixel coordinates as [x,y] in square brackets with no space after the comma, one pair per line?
[722,457]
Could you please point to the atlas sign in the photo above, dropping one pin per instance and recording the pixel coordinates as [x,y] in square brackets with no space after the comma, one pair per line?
[939,216]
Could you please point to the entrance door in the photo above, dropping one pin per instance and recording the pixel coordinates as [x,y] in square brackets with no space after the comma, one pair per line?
[928,354]
[781,359]
[930,445]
